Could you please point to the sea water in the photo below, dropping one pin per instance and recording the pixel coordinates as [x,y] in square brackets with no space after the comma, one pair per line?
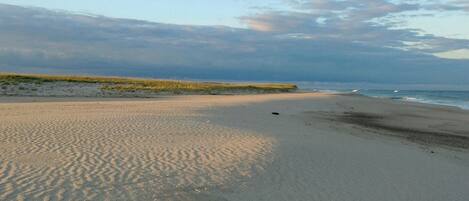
[458,98]
[440,97]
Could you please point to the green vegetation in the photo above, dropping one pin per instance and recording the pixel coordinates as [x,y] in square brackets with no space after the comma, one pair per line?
[132,85]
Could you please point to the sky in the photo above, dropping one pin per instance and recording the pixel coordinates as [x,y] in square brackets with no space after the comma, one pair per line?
[377,41]
[186,12]
[227,12]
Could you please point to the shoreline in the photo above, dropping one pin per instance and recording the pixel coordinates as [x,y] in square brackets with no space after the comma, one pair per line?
[404,98]
[199,147]
[366,120]
[33,98]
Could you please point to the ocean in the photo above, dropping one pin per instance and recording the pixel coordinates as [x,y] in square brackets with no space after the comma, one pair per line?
[451,98]
[458,98]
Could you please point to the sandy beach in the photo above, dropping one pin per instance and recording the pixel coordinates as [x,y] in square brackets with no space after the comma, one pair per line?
[319,147]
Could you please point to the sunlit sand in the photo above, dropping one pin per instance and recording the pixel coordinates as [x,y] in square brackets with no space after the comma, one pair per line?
[227,148]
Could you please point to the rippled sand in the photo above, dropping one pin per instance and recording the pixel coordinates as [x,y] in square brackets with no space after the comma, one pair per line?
[120,151]
[319,147]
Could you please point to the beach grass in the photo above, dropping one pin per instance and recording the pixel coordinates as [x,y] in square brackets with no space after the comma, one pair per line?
[153,85]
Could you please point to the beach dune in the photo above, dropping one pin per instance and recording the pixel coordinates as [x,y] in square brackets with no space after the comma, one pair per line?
[319,147]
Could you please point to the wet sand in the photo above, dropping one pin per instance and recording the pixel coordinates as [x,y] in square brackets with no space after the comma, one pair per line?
[319,147]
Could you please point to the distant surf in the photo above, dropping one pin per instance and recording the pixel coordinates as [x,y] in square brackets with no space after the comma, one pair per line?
[439,97]
[450,98]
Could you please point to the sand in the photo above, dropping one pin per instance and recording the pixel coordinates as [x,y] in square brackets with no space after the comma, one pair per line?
[320,147]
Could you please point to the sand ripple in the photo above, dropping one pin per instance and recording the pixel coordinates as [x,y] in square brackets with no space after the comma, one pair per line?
[120,151]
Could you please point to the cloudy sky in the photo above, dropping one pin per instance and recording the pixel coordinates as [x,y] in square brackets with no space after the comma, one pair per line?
[373,41]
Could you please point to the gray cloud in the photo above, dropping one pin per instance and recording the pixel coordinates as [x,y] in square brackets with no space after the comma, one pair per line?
[449,5]
[296,48]
[356,20]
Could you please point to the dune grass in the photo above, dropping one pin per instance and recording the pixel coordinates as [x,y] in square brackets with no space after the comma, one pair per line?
[132,84]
